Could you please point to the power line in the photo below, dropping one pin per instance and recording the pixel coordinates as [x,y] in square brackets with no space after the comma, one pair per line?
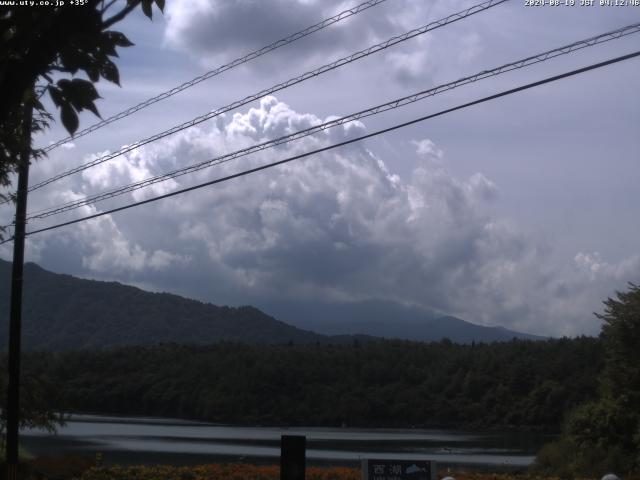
[281,86]
[340,144]
[223,68]
[541,57]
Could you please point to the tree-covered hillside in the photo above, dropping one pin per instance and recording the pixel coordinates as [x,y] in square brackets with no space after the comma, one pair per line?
[519,384]
[61,312]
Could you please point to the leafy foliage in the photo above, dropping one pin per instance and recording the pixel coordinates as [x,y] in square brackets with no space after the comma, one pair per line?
[37,392]
[604,434]
[621,338]
[40,48]
[520,384]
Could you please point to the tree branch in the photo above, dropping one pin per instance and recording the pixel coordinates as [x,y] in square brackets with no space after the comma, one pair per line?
[109,5]
[120,15]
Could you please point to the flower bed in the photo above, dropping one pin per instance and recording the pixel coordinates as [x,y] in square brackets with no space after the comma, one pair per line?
[214,472]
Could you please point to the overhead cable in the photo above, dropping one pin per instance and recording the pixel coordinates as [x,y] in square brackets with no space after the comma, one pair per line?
[281,86]
[223,68]
[531,60]
[340,144]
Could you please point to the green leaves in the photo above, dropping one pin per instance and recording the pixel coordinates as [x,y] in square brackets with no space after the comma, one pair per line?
[147,4]
[109,71]
[87,50]
[81,93]
[56,96]
[94,60]
[74,42]
[605,431]
[73,96]
[118,39]
[146,8]
[69,118]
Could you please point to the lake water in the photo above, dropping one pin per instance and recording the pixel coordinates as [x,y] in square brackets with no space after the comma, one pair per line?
[169,441]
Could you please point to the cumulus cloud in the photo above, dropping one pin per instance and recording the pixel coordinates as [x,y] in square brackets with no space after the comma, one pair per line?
[335,226]
[109,251]
[216,31]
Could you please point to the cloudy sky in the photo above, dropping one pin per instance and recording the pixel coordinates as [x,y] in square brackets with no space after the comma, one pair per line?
[521,212]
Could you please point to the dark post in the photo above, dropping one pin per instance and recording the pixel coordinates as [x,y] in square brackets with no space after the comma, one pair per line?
[15,315]
[292,457]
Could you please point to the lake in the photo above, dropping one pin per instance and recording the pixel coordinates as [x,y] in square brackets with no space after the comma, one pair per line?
[123,440]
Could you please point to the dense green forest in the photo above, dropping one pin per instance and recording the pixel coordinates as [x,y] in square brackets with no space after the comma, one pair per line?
[517,384]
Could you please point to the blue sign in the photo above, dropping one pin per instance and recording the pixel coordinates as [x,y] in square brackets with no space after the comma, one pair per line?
[376,469]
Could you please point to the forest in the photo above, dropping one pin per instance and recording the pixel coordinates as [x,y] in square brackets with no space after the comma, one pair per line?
[511,385]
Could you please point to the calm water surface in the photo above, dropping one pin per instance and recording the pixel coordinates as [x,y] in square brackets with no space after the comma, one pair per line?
[152,440]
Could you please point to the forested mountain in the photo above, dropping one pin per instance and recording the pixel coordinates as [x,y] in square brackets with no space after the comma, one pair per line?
[63,312]
[267,372]
[517,384]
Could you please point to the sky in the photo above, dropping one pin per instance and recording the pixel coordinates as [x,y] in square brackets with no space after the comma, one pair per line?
[520,212]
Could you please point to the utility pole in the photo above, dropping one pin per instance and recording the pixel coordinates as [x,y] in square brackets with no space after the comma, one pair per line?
[15,318]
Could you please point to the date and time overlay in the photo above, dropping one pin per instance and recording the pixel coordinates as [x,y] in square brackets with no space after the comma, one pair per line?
[581,3]
[527,3]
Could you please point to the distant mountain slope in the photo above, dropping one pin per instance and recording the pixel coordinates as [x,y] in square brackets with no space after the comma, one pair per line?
[387,319]
[63,312]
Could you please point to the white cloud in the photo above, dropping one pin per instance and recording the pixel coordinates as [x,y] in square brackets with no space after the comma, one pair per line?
[428,149]
[215,32]
[339,225]
[109,251]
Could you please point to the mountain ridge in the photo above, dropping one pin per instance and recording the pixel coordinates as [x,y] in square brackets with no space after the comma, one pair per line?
[63,312]
[387,319]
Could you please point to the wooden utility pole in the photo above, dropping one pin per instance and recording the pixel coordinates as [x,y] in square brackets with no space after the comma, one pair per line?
[15,318]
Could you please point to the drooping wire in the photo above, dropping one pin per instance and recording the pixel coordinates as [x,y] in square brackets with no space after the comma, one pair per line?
[340,144]
[531,60]
[281,86]
[221,69]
